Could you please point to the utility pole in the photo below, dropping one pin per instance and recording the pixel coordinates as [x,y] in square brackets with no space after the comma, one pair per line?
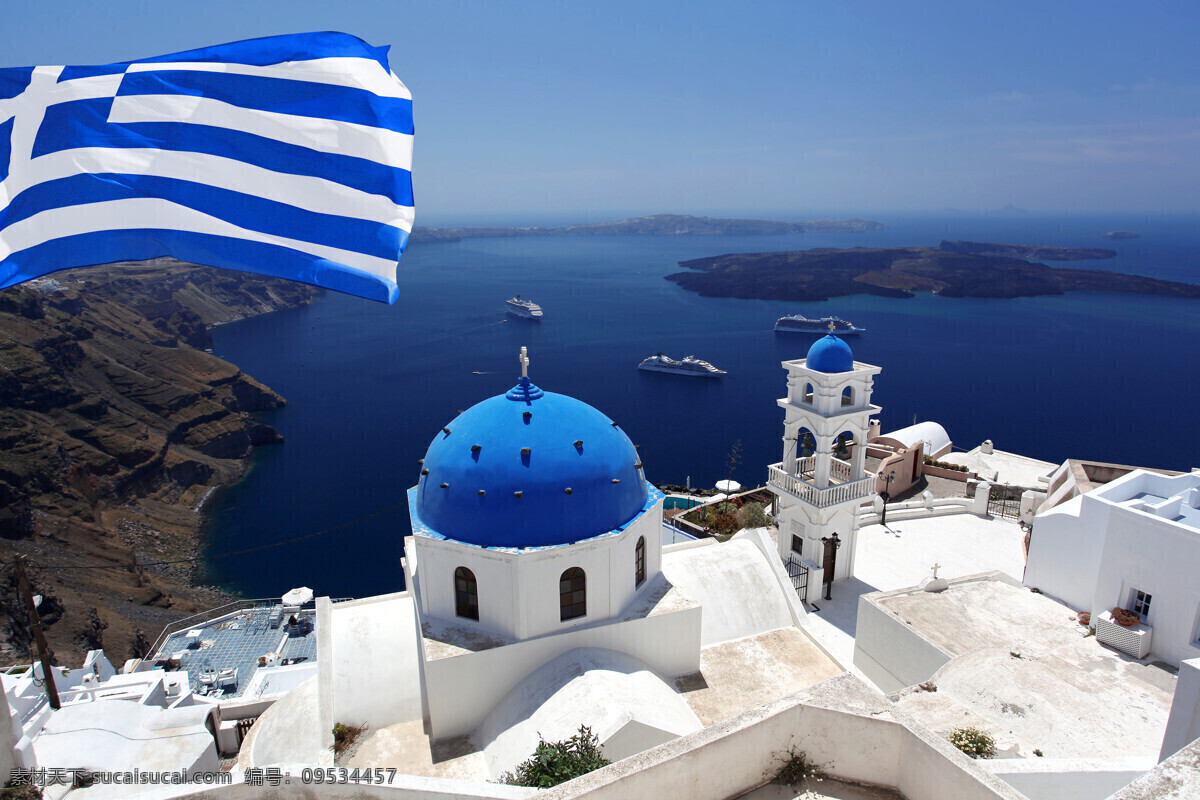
[36,623]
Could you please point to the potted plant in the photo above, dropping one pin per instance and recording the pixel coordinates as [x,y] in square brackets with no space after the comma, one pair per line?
[1126,618]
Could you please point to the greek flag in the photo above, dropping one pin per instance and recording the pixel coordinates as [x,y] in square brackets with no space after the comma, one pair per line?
[288,156]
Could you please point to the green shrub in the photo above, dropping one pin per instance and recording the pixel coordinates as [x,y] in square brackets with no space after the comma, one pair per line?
[973,742]
[752,515]
[553,763]
[796,770]
[344,736]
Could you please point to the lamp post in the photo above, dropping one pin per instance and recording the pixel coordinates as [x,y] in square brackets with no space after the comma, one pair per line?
[837,543]
[886,495]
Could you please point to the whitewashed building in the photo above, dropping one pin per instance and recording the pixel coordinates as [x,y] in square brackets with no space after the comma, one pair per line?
[540,598]
[821,480]
[1132,543]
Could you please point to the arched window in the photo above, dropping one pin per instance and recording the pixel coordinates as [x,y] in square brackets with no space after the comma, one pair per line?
[808,393]
[842,444]
[848,396]
[639,561]
[806,444]
[572,594]
[466,594]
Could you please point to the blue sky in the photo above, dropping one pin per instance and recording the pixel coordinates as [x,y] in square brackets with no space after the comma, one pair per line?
[590,110]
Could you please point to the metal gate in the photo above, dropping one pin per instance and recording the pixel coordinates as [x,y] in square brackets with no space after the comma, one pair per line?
[799,575]
[1005,501]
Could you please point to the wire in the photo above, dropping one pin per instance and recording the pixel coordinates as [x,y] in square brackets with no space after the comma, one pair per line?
[243,552]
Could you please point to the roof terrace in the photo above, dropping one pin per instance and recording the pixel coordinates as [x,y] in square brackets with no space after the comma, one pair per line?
[221,651]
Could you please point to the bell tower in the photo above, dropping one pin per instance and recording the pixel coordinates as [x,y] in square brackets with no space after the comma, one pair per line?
[821,480]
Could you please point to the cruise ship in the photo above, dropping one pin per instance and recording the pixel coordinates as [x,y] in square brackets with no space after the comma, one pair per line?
[802,324]
[690,365]
[523,308]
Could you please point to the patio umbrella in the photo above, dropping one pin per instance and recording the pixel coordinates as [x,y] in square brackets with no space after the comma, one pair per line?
[728,486]
[298,596]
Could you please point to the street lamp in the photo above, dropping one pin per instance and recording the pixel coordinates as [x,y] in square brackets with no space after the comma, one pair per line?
[837,543]
[886,495]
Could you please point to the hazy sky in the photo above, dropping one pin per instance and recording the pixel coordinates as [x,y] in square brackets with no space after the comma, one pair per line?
[701,107]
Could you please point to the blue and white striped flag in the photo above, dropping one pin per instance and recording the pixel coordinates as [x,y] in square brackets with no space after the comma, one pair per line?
[287,156]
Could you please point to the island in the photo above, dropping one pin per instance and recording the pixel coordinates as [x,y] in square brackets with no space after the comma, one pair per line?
[812,275]
[1122,235]
[116,426]
[657,225]
[1035,252]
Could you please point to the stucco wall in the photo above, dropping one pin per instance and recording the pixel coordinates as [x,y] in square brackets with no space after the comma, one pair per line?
[519,591]
[868,745]
[462,689]
[1183,726]
[1092,552]
[1064,554]
[1157,556]
[865,741]
[721,578]
[881,639]
[375,677]
[287,731]
[1067,778]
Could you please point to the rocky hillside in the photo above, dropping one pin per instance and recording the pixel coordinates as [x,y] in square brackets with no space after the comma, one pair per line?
[115,426]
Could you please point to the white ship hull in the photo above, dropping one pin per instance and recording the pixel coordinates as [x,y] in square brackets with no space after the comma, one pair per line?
[690,366]
[799,323]
[523,308]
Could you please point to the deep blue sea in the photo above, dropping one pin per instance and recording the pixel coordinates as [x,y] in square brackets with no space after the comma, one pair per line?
[1097,376]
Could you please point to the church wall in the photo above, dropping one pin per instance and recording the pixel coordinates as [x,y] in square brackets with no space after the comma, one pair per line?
[463,689]
[519,591]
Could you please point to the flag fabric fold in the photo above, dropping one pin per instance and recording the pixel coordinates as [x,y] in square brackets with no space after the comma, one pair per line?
[288,156]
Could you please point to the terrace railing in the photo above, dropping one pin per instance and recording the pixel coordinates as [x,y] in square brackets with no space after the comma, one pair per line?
[800,488]
[205,617]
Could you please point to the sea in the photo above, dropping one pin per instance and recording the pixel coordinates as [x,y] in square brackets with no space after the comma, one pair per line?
[1107,377]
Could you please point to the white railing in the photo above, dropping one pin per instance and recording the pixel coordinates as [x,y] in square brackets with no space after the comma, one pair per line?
[833,495]
[806,468]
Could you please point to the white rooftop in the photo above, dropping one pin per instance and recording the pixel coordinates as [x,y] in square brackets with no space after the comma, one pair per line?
[1025,672]
[903,553]
[1175,498]
[1002,467]
[931,433]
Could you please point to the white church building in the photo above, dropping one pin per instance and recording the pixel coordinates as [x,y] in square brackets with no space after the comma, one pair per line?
[541,598]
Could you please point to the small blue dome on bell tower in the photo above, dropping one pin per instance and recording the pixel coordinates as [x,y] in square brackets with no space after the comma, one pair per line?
[830,354]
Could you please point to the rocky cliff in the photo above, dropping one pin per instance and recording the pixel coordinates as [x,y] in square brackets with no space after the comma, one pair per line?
[115,426]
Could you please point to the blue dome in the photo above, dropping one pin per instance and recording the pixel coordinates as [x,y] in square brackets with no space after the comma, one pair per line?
[830,354]
[529,469]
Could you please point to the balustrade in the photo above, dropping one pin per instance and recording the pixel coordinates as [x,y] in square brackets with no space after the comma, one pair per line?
[801,489]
